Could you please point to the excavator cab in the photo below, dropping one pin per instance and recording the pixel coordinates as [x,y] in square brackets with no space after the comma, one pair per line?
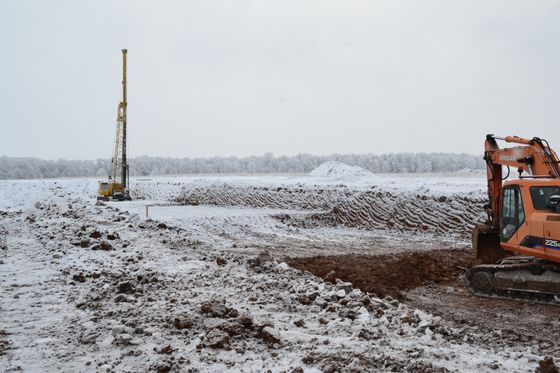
[105,189]
[112,191]
[513,214]
[527,218]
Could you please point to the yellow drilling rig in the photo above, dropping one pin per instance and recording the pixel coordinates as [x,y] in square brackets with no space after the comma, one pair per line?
[116,187]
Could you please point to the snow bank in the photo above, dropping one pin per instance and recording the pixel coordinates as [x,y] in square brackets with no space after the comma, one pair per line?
[337,169]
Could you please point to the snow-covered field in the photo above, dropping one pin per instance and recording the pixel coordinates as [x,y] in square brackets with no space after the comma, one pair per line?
[201,284]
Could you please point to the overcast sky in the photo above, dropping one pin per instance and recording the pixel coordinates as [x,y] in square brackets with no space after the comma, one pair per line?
[248,77]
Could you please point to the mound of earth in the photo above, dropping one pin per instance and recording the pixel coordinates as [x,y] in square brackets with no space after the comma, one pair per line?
[338,169]
[368,209]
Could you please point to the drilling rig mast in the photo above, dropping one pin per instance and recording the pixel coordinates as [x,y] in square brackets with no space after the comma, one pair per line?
[116,188]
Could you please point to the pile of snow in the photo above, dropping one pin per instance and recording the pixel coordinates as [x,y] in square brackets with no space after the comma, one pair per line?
[338,169]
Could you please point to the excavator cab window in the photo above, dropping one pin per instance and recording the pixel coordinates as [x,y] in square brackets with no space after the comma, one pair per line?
[543,196]
[513,215]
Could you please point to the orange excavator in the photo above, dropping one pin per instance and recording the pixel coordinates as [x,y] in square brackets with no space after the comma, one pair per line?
[517,251]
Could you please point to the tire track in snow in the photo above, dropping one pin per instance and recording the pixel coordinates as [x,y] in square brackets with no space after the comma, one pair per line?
[32,305]
[370,209]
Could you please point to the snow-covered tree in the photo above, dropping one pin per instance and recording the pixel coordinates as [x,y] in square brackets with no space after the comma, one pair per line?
[29,168]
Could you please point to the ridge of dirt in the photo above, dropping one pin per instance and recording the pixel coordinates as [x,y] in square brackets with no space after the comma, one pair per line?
[369,209]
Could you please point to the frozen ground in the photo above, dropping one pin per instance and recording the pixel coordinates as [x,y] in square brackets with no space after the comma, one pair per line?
[191,288]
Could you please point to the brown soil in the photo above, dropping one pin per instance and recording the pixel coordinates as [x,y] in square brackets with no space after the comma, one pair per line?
[389,274]
[432,281]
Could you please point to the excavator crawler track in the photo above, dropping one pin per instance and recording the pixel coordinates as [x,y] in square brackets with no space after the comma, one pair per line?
[518,278]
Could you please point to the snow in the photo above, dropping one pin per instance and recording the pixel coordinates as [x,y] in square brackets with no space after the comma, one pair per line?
[68,306]
[337,169]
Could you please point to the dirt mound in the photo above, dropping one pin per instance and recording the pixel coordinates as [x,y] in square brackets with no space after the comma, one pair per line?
[298,197]
[389,274]
[407,212]
[369,209]
[337,169]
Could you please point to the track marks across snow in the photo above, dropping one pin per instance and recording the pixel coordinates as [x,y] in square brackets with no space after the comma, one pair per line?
[340,205]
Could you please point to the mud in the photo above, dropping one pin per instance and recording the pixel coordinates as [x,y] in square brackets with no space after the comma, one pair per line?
[389,275]
[535,326]
[433,281]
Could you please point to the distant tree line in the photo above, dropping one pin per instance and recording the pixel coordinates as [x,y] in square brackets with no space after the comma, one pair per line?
[33,168]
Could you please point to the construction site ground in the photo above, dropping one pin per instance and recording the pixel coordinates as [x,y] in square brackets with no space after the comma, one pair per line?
[433,281]
[286,274]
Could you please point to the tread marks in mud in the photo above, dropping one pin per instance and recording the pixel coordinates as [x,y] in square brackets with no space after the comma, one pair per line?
[400,212]
[371,209]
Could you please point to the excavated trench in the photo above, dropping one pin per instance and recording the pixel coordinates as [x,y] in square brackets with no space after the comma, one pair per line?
[432,281]
[389,275]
